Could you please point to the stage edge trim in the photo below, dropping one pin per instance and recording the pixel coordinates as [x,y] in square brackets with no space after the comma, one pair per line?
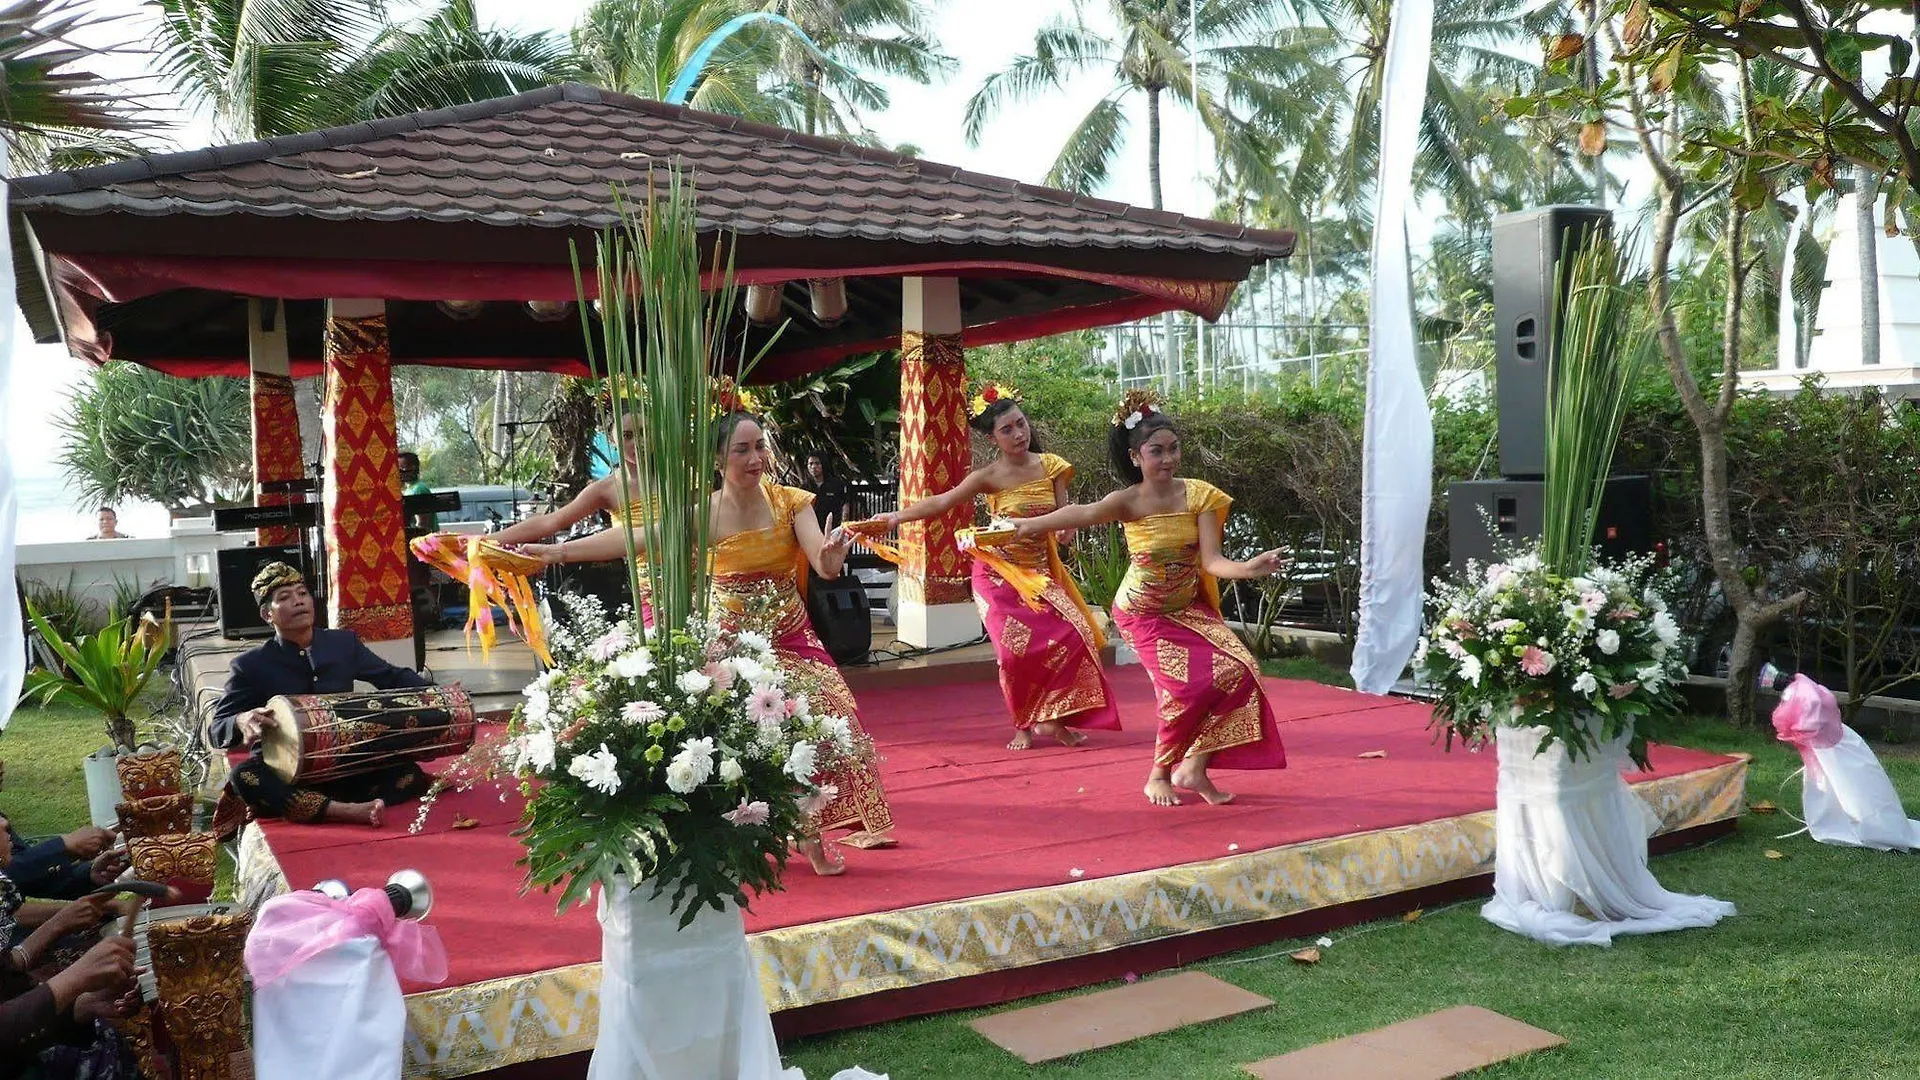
[481,1026]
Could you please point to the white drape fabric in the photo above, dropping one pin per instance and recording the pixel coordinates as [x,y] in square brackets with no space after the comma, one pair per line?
[1397,456]
[1788,339]
[13,647]
[1570,861]
[1848,799]
[681,1003]
[339,1014]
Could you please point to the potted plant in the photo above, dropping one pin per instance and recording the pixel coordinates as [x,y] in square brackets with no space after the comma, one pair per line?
[1562,660]
[105,671]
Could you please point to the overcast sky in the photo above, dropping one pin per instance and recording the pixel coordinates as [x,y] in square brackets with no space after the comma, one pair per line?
[981,35]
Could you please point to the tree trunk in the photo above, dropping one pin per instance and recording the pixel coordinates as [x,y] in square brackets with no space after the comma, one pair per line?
[1159,203]
[1866,197]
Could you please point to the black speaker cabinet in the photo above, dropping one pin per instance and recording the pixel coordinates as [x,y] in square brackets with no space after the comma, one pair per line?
[239,614]
[1527,249]
[839,614]
[1484,516]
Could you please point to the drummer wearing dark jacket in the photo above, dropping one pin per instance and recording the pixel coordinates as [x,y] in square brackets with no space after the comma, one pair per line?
[303,660]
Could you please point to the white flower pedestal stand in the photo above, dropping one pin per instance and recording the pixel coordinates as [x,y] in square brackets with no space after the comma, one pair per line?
[676,1004]
[1570,863]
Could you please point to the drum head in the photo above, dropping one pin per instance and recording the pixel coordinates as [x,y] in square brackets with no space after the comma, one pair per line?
[280,744]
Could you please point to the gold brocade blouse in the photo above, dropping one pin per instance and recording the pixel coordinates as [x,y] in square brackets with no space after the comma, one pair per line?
[630,515]
[758,575]
[1031,499]
[1163,552]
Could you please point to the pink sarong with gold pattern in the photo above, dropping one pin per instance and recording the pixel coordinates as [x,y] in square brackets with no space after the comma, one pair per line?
[757,578]
[1042,631]
[1207,683]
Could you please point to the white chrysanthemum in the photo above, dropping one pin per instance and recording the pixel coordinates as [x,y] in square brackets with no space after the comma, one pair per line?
[535,751]
[634,664]
[839,729]
[730,771]
[1586,683]
[1651,676]
[691,766]
[1470,668]
[598,770]
[751,671]
[539,707]
[753,642]
[544,683]
[694,683]
[1665,629]
[1526,564]
[800,760]
[1608,641]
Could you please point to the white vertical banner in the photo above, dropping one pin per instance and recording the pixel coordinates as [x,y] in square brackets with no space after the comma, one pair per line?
[1788,341]
[13,647]
[1397,460]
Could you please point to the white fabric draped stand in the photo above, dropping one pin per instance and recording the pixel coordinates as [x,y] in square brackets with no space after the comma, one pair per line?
[1570,863]
[1848,799]
[680,1003]
[339,1015]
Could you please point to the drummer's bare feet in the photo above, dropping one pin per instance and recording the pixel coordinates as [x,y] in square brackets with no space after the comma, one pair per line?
[1192,776]
[357,813]
[824,863]
[1060,732]
[1160,790]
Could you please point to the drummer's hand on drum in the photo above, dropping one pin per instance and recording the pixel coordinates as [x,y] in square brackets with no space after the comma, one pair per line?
[106,1004]
[106,967]
[253,722]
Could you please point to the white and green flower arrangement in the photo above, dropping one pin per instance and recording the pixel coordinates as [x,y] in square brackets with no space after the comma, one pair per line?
[1555,636]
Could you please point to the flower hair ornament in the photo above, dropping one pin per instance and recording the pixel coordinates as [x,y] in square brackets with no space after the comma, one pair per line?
[1136,406]
[989,394]
[728,396]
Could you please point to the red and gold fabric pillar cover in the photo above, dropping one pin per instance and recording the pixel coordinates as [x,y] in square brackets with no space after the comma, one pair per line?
[276,448]
[935,454]
[366,543]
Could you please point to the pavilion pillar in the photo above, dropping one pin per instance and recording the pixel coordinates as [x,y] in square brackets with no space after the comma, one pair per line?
[934,596]
[365,539]
[276,418]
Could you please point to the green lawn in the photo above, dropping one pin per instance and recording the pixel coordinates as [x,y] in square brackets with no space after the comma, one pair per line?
[1815,977]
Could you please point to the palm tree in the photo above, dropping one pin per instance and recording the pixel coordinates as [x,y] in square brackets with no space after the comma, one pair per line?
[1477,44]
[640,46]
[882,37]
[276,67]
[51,114]
[1252,71]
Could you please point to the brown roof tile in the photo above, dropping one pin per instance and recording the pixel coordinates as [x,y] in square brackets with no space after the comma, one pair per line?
[548,158]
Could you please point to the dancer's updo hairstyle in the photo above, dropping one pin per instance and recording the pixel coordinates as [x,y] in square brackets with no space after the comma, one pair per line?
[985,422]
[723,428]
[1134,422]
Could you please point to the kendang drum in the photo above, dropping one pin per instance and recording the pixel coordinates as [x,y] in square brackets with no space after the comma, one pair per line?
[321,737]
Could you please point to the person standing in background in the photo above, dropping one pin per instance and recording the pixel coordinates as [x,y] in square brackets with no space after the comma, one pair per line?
[109,525]
[830,502]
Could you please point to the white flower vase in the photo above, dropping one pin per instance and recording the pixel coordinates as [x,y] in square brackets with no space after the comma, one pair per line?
[1570,862]
[678,1003]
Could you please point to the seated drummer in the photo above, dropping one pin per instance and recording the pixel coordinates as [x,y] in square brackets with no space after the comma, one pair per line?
[303,660]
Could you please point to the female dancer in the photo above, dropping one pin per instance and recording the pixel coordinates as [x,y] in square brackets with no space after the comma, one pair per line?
[1212,710]
[609,494]
[764,538]
[1042,632]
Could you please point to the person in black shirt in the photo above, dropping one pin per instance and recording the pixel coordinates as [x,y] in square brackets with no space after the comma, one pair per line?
[301,659]
[830,501]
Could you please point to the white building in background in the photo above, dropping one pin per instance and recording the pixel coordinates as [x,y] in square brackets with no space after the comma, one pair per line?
[1834,354]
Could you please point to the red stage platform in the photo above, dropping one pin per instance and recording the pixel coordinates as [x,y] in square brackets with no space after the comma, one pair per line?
[1016,872]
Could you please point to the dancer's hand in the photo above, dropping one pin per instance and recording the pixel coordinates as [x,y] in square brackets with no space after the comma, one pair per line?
[892,519]
[550,554]
[838,539]
[1268,562]
[1024,528]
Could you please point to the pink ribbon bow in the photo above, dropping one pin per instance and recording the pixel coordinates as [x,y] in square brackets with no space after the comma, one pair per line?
[1807,718]
[292,929]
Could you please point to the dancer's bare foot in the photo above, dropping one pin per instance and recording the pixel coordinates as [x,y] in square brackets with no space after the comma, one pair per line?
[1022,739]
[1191,777]
[377,816]
[1160,792]
[825,864]
[1060,733]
